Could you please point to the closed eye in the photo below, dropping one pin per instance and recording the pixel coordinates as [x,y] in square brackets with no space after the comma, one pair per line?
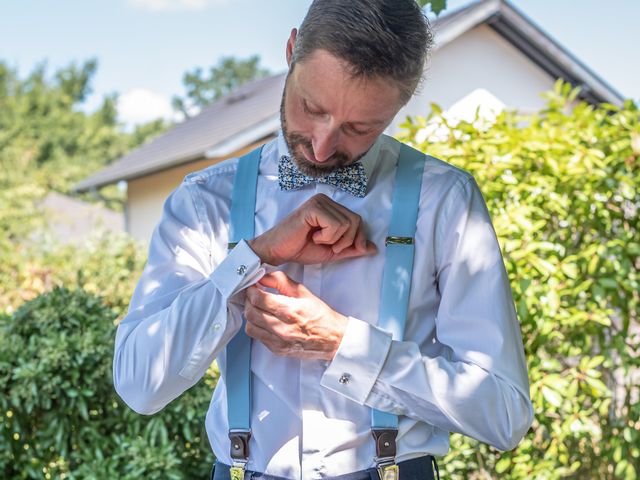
[308,110]
[351,130]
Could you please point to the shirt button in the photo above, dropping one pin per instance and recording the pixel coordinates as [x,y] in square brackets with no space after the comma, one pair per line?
[344,378]
[242,269]
[216,326]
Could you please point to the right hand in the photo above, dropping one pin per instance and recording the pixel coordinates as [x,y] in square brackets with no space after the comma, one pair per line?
[319,231]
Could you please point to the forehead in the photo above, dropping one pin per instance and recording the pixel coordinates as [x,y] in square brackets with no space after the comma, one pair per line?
[327,82]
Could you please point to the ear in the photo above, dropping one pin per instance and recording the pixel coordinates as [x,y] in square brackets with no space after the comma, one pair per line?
[290,44]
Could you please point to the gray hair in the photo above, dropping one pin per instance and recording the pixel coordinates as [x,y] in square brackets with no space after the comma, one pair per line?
[376,38]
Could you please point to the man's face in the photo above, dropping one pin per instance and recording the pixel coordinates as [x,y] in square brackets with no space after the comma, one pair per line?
[330,119]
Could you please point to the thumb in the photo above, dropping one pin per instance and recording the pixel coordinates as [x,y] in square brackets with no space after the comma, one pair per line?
[282,283]
[353,251]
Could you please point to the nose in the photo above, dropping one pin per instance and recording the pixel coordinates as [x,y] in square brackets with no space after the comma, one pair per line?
[325,142]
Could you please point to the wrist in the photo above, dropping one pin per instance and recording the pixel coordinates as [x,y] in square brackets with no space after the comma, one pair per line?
[261,251]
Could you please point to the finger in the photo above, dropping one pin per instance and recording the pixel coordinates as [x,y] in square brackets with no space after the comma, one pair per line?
[352,252]
[265,320]
[332,225]
[329,218]
[349,236]
[266,301]
[351,220]
[269,339]
[282,283]
[360,241]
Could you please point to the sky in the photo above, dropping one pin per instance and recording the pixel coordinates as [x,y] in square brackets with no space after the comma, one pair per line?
[144,47]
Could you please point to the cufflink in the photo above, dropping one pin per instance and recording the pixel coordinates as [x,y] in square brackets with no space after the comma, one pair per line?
[344,378]
[242,269]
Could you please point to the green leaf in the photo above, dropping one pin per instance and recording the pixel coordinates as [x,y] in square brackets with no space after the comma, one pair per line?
[551,396]
[503,464]
[437,6]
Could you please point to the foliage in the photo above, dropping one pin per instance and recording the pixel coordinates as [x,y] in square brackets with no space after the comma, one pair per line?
[60,415]
[224,77]
[47,141]
[106,265]
[436,6]
[562,188]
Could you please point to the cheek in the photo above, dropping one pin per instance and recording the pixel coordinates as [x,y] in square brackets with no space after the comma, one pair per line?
[360,145]
[297,120]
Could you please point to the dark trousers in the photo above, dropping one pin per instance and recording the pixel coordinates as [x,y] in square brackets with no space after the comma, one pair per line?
[422,468]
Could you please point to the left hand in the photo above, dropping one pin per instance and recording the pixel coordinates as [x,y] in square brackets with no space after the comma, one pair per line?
[294,323]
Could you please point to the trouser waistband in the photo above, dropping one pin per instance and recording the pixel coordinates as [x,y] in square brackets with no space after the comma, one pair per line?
[421,468]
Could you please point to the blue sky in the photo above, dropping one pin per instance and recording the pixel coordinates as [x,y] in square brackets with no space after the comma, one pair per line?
[144,46]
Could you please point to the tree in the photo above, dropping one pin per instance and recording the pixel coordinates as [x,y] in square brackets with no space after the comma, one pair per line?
[47,138]
[224,77]
[47,142]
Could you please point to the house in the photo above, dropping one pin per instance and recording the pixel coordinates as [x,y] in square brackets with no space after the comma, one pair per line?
[487,54]
[72,221]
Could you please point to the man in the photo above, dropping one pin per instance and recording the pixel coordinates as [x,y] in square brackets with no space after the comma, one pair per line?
[319,360]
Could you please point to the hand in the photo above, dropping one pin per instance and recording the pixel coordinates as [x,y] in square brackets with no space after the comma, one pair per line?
[319,231]
[295,323]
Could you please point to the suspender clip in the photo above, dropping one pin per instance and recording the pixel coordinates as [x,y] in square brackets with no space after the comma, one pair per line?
[398,240]
[239,452]
[385,439]
[237,471]
[389,472]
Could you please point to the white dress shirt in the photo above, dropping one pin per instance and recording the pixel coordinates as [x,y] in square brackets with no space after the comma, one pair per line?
[461,367]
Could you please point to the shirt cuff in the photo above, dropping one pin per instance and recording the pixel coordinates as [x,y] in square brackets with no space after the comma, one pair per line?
[240,269]
[358,361]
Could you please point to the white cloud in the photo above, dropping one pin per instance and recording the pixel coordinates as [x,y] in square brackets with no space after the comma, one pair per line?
[140,106]
[176,5]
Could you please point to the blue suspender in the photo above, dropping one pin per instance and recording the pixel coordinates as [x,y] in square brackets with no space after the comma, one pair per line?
[396,285]
[238,374]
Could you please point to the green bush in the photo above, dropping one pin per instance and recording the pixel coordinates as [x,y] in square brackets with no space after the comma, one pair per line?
[563,190]
[107,264]
[60,415]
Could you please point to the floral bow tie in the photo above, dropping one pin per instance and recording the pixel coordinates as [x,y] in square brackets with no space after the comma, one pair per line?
[350,178]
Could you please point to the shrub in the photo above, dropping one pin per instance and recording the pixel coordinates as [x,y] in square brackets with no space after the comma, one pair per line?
[60,415]
[562,188]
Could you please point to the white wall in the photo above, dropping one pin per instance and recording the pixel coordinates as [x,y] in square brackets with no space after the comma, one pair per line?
[146,195]
[479,59]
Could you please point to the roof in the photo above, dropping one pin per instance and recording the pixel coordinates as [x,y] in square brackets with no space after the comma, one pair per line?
[252,112]
[72,221]
[531,40]
[243,117]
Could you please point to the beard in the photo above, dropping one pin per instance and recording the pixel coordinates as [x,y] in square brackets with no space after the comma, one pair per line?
[297,142]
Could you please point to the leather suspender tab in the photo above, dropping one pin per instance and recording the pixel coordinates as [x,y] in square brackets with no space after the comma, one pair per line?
[239,445]
[385,439]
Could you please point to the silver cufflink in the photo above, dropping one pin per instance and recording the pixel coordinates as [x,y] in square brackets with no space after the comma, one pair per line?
[344,378]
[241,270]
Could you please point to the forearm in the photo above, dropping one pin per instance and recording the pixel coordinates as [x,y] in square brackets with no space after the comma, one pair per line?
[491,405]
[152,351]
[456,396]
[165,345]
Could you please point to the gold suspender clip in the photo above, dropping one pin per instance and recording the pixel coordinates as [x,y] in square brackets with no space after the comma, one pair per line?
[399,240]
[389,472]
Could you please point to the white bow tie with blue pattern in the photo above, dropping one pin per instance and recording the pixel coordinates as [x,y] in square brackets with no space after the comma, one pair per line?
[350,178]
